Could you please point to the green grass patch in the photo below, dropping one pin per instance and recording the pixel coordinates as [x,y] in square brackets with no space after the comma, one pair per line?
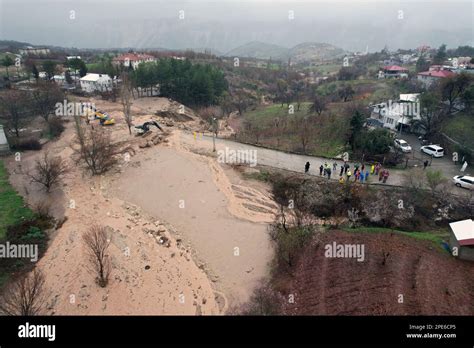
[436,237]
[12,207]
[259,176]
[276,110]
[461,129]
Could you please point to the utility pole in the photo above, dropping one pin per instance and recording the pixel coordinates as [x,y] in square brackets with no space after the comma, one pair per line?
[213,134]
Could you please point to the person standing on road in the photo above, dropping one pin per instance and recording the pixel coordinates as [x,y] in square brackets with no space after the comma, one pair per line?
[321,170]
[372,169]
[366,176]
[306,167]
[425,164]
[361,176]
[381,174]
[348,175]
[334,166]
[329,173]
[378,166]
[346,167]
[342,170]
[385,176]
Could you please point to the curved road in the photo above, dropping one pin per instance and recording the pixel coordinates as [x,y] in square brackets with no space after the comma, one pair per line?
[295,162]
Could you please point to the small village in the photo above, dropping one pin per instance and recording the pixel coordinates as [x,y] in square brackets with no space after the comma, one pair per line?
[261,178]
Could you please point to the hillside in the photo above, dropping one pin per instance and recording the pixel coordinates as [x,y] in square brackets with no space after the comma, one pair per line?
[303,52]
[311,51]
[259,50]
[431,281]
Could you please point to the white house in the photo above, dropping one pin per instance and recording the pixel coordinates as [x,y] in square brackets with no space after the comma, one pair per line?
[132,59]
[96,83]
[4,148]
[434,74]
[34,51]
[396,114]
[462,239]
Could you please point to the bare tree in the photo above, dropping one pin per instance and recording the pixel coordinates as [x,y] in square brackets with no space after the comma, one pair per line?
[13,110]
[95,148]
[304,129]
[48,171]
[26,296]
[97,242]
[126,99]
[318,105]
[44,99]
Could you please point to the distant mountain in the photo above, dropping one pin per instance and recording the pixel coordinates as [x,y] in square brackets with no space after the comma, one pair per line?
[311,51]
[304,52]
[12,45]
[260,50]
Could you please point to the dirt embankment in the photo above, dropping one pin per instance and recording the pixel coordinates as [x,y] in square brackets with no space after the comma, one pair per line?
[415,279]
[152,272]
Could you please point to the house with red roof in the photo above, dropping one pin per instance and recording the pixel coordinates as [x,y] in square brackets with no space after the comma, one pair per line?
[434,74]
[393,71]
[132,59]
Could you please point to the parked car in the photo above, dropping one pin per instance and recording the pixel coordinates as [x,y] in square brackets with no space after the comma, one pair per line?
[433,150]
[402,145]
[465,181]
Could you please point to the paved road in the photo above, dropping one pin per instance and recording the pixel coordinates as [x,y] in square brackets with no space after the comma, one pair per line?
[294,162]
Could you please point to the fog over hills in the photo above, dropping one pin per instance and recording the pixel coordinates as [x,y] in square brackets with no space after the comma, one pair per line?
[225,25]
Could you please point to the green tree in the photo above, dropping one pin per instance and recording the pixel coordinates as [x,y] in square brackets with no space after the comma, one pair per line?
[50,68]
[440,55]
[7,61]
[422,64]
[357,124]
[35,72]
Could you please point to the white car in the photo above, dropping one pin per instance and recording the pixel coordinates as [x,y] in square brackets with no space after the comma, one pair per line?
[433,150]
[465,181]
[402,145]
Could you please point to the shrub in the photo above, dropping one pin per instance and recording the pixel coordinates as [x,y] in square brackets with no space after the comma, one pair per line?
[27,144]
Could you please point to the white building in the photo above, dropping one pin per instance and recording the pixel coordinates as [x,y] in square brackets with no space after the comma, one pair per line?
[96,83]
[396,114]
[132,59]
[462,239]
[4,148]
[34,51]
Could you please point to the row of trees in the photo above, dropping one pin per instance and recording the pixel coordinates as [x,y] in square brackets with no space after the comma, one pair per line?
[191,84]
[17,107]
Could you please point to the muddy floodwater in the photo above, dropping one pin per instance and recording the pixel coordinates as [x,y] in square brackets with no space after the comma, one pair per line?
[178,187]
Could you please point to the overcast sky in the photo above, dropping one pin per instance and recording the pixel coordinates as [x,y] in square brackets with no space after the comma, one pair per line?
[226,24]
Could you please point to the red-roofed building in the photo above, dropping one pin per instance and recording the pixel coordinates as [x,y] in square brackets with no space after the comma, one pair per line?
[133,59]
[434,74]
[393,71]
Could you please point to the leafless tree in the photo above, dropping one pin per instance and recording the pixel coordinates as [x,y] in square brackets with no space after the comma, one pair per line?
[97,242]
[95,148]
[48,171]
[44,99]
[126,99]
[13,110]
[318,105]
[26,296]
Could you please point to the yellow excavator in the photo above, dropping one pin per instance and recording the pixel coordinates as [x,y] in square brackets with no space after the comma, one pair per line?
[91,113]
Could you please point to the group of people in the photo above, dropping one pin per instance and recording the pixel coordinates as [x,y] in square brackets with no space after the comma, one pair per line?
[361,172]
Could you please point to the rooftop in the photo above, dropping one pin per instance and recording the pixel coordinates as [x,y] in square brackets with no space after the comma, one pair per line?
[394,68]
[463,231]
[440,73]
[133,57]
